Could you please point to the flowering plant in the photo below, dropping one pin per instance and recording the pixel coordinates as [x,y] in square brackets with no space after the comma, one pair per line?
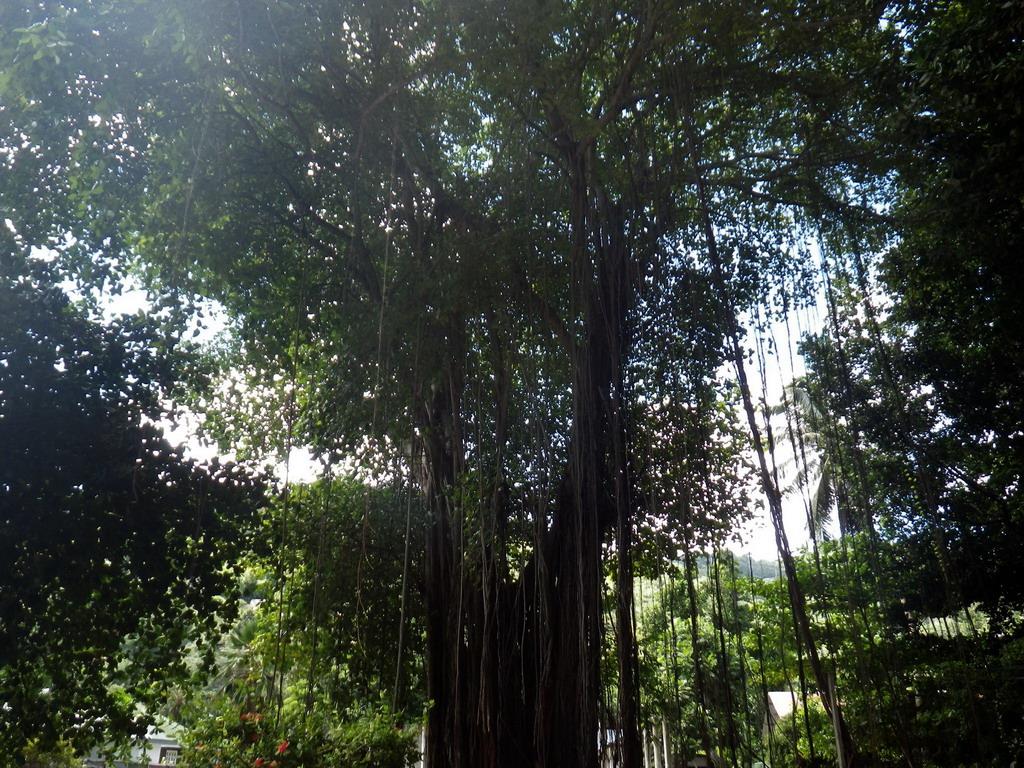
[250,739]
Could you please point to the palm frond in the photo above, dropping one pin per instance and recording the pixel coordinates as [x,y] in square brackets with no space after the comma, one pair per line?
[821,502]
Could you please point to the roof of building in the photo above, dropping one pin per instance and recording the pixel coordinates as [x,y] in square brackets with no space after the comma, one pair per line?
[781,703]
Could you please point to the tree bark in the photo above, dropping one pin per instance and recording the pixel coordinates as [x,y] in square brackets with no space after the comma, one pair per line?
[513,666]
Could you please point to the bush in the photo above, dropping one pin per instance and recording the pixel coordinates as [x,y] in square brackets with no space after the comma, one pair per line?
[375,739]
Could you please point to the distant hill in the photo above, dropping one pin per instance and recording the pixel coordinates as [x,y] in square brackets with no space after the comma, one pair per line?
[763,570]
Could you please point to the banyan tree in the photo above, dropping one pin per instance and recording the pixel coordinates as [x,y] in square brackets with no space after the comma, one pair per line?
[525,254]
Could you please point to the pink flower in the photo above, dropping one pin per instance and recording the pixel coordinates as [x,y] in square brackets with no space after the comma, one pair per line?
[282,747]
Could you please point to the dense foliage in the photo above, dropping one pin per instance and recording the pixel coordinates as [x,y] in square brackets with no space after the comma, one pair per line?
[116,550]
[325,655]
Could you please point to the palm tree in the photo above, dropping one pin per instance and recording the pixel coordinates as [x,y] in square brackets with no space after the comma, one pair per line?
[234,665]
[805,428]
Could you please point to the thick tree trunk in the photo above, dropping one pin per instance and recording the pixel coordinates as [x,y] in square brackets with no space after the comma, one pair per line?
[528,695]
[513,667]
